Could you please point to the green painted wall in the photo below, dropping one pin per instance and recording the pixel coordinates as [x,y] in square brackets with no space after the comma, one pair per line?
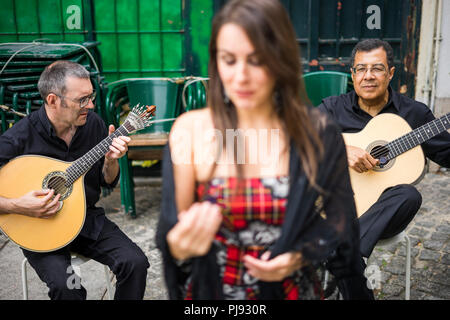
[200,17]
[139,38]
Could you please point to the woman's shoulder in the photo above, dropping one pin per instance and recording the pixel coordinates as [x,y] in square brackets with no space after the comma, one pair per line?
[190,127]
[191,119]
[189,138]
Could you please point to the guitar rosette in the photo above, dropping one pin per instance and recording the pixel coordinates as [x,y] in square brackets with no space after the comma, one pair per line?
[57,180]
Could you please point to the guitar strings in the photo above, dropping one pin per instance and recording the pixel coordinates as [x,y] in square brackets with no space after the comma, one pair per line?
[60,186]
[399,143]
[380,153]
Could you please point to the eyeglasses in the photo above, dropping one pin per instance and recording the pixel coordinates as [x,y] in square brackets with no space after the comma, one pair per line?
[377,70]
[84,101]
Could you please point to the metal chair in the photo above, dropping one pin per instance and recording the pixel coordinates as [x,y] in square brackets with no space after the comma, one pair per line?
[386,242]
[172,96]
[402,236]
[76,260]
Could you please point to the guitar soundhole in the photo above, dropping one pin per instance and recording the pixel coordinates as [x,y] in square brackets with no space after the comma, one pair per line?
[56,180]
[57,183]
[379,151]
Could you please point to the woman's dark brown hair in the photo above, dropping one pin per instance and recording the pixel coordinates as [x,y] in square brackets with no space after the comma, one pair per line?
[268,27]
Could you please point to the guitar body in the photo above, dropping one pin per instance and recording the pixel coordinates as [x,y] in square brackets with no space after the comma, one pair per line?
[32,172]
[24,174]
[407,168]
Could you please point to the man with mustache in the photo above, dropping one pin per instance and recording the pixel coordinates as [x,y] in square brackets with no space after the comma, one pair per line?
[372,70]
[65,128]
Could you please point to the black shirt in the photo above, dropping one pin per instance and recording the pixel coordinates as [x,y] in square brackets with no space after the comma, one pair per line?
[345,111]
[35,134]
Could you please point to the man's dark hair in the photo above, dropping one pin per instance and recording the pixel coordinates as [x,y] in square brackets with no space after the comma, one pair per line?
[53,78]
[372,44]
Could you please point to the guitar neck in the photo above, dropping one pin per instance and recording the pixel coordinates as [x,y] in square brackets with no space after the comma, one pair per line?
[84,163]
[418,136]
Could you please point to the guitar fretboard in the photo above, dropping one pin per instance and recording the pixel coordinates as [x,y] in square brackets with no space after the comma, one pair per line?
[84,163]
[417,136]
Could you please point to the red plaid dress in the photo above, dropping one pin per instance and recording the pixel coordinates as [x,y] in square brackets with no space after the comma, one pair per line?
[251,224]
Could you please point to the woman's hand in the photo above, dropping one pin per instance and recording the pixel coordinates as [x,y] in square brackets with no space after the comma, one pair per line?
[195,230]
[276,269]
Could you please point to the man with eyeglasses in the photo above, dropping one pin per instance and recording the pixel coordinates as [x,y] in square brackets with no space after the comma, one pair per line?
[66,128]
[372,70]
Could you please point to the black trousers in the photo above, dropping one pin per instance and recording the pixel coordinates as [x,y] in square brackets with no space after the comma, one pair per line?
[389,216]
[386,218]
[112,248]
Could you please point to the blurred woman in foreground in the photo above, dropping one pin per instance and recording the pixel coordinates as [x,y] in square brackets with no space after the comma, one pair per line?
[256,191]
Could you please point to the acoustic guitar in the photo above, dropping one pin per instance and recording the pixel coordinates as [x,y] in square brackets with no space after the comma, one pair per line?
[33,172]
[389,138]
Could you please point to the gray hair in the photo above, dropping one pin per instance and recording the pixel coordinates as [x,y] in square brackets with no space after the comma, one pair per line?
[372,44]
[53,78]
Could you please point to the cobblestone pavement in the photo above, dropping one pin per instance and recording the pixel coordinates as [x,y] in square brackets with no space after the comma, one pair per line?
[429,233]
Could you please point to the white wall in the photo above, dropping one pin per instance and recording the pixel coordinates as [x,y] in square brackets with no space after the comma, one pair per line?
[441,102]
[425,54]
[443,71]
[433,67]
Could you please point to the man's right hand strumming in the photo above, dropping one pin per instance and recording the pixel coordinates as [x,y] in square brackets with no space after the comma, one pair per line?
[38,204]
[360,160]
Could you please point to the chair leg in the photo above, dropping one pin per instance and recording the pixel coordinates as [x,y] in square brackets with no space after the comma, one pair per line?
[24,279]
[131,198]
[325,285]
[123,180]
[127,186]
[108,283]
[408,268]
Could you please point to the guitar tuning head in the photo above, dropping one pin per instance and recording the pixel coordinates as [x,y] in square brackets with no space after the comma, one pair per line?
[144,112]
[151,110]
[140,117]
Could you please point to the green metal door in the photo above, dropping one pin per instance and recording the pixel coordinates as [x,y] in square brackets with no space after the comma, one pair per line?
[56,20]
[136,37]
[152,38]
[327,30]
